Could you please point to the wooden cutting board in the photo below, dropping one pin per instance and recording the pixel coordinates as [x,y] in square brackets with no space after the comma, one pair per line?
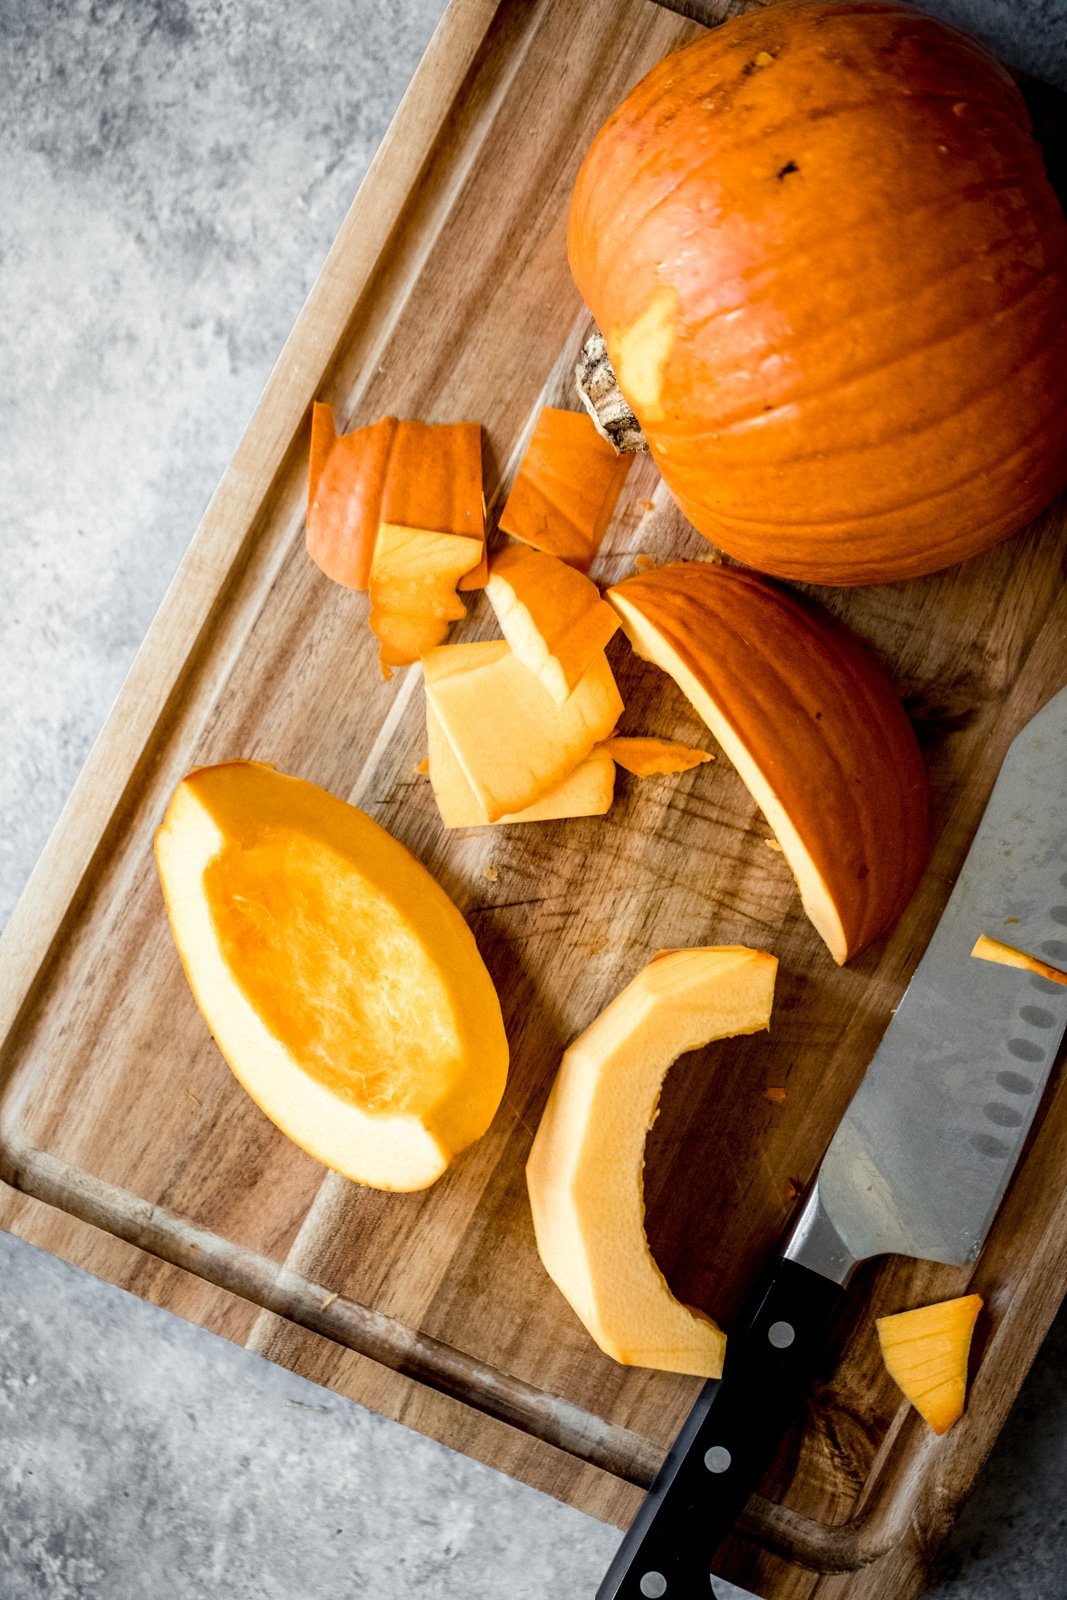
[126,1146]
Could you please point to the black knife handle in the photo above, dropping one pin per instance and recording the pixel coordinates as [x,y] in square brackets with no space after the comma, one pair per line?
[726,1442]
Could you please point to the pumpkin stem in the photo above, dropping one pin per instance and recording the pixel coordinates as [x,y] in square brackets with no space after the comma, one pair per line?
[602,398]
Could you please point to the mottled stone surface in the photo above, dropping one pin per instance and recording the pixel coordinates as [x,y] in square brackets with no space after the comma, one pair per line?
[171,174]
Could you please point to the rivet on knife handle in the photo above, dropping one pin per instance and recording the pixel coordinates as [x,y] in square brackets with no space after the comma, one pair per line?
[727,1442]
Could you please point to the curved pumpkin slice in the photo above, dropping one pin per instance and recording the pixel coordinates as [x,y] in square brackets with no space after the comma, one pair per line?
[340,982]
[566,488]
[647,758]
[513,743]
[551,615]
[584,1171]
[926,1353]
[586,792]
[816,733]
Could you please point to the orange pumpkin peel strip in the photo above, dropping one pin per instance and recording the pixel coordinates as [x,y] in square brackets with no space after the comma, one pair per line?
[647,757]
[926,1351]
[1005,955]
[565,492]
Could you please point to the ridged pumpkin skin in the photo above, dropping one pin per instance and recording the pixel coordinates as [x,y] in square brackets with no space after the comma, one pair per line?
[814,729]
[832,276]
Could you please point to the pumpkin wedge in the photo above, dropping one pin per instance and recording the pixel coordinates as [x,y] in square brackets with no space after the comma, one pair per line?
[648,758]
[814,730]
[584,1174]
[512,742]
[586,792]
[340,982]
[926,1352]
[565,489]
[551,615]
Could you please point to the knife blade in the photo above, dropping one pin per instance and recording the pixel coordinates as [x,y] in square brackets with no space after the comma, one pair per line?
[918,1166]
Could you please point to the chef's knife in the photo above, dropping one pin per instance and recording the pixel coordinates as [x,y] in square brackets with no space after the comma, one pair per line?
[917,1167]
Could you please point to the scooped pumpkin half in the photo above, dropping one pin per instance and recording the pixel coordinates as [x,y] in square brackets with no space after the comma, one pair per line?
[585,1169]
[813,728]
[339,980]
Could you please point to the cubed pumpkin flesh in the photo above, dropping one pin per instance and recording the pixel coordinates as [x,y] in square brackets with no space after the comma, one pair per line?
[412,588]
[647,757]
[512,742]
[586,792]
[926,1353]
[337,977]
[585,1169]
[551,615]
[565,489]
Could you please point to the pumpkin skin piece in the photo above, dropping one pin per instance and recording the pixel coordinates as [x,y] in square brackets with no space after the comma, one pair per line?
[551,615]
[584,1174]
[340,982]
[813,728]
[832,277]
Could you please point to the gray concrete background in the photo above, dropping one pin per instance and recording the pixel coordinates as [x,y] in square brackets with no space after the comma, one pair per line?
[171,174]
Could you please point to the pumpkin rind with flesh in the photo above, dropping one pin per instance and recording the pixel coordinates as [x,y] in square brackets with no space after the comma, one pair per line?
[813,728]
[339,980]
[832,276]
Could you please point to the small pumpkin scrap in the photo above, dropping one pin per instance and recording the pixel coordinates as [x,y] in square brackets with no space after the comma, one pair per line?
[412,588]
[565,492]
[511,741]
[551,615]
[926,1351]
[648,757]
[1005,955]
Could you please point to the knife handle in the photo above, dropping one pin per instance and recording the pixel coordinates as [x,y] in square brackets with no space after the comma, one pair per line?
[727,1441]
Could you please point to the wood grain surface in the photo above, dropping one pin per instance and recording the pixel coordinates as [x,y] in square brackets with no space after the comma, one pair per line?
[126,1146]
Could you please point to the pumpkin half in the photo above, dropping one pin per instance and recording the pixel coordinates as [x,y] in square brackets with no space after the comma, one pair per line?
[832,276]
[340,982]
[813,728]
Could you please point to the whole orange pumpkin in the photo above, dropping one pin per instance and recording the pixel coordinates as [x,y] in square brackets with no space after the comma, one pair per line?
[832,277]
